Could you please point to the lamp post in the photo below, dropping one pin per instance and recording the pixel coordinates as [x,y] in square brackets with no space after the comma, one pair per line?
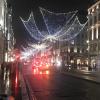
[88,47]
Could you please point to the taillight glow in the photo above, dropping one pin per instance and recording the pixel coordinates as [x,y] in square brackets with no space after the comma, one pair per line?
[47,65]
[34,70]
[40,72]
[16,81]
[47,72]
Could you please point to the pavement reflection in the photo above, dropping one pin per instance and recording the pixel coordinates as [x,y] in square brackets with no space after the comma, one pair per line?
[9,81]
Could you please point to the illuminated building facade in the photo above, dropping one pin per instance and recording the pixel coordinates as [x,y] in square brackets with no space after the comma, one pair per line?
[10,41]
[94,34]
[3,10]
[74,53]
[6,33]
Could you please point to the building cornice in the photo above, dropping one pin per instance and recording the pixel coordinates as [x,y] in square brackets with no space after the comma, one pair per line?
[94,5]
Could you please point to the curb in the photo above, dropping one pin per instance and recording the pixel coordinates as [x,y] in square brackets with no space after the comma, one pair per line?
[82,77]
[23,89]
[30,92]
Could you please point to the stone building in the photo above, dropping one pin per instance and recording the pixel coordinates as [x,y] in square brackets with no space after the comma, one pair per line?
[94,34]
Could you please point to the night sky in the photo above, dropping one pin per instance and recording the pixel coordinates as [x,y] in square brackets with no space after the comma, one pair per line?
[24,7]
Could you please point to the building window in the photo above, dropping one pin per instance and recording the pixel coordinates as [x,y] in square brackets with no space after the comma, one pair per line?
[82,50]
[8,38]
[92,33]
[68,49]
[90,21]
[96,32]
[99,32]
[99,47]
[95,19]
[78,50]
[89,13]
[99,16]
[97,7]
[93,10]
[75,49]
[91,48]
[95,47]
[72,49]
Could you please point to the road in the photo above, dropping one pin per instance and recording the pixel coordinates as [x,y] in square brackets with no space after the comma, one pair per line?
[58,86]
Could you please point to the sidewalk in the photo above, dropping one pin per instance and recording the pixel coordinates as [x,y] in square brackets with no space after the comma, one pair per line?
[5,84]
[93,76]
[8,85]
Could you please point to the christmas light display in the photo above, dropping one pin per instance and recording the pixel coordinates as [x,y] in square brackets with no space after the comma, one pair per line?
[73,31]
[56,22]
[60,27]
[34,49]
[32,28]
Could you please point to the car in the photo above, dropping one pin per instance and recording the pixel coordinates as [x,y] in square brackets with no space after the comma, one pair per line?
[6,97]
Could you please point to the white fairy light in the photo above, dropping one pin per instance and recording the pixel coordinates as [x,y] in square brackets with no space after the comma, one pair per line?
[64,30]
[55,22]
[39,46]
[32,28]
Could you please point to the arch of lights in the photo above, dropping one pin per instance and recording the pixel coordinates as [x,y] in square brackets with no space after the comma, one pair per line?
[34,49]
[57,22]
[60,27]
[57,29]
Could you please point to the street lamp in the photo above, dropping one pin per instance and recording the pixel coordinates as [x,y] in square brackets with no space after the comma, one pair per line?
[88,47]
[87,41]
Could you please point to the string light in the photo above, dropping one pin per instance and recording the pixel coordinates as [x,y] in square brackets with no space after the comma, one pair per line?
[56,31]
[60,27]
[56,21]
